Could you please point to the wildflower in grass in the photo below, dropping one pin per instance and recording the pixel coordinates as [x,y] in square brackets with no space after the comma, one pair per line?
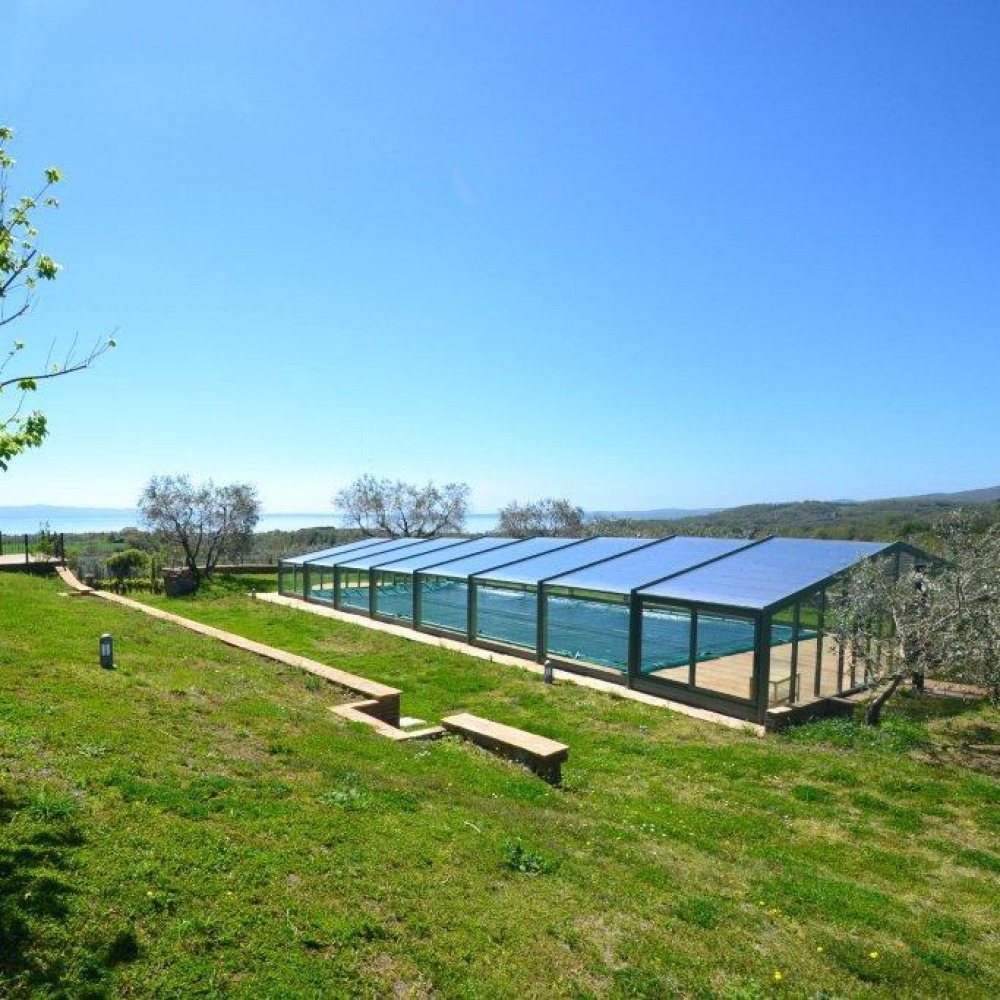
[819,948]
[873,954]
[778,976]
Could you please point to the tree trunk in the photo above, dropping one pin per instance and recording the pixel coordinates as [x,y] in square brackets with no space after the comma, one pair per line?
[873,717]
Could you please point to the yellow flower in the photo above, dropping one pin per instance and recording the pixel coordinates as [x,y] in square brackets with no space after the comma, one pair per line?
[819,948]
[873,954]
[149,892]
[778,976]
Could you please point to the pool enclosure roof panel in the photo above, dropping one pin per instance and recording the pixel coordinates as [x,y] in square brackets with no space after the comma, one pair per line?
[765,575]
[483,562]
[570,557]
[380,545]
[345,550]
[406,563]
[426,547]
[642,566]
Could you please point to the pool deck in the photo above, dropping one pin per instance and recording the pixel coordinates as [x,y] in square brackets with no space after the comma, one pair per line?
[563,676]
[16,560]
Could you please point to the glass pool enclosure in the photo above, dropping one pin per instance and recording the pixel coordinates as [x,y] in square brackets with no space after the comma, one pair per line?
[731,625]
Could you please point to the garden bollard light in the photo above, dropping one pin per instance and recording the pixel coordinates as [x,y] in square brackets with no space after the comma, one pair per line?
[107,651]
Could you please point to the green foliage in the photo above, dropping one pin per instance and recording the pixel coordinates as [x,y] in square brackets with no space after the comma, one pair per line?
[22,265]
[515,857]
[201,522]
[549,516]
[127,563]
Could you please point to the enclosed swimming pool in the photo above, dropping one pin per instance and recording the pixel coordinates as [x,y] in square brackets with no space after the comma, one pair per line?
[735,625]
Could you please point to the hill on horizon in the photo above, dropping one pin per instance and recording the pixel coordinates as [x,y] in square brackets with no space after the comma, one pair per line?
[890,519]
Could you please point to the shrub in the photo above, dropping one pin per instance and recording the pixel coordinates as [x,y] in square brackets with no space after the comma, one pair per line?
[518,858]
[127,563]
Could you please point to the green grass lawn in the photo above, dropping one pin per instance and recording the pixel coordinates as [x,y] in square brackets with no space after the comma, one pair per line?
[196,823]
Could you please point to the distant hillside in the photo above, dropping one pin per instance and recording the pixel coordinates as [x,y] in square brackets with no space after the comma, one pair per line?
[988,495]
[899,518]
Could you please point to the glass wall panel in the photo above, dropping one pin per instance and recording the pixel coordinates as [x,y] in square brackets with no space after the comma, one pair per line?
[588,629]
[321,583]
[819,647]
[290,579]
[724,653]
[507,614]
[354,589]
[444,603]
[782,686]
[809,637]
[843,664]
[666,642]
[394,595]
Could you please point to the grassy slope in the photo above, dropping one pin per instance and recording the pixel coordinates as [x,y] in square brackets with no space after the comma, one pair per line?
[196,822]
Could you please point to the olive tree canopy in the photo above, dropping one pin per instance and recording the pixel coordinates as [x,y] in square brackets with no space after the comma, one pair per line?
[403,510]
[942,621]
[22,266]
[203,522]
[550,517]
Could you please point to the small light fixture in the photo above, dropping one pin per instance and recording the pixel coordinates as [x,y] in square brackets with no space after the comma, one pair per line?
[107,651]
[548,668]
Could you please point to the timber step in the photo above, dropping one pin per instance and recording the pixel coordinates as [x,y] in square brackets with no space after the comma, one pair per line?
[364,712]
[538,753]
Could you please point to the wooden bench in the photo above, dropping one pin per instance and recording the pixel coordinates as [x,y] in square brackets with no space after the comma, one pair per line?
[537,753]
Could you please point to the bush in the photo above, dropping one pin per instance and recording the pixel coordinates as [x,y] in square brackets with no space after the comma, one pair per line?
[127,563]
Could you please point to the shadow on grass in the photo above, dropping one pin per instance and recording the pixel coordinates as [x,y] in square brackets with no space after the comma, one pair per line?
[931,707]
[222,585]
[38,955]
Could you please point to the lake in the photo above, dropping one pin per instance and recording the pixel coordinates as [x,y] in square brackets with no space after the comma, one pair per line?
[72,520]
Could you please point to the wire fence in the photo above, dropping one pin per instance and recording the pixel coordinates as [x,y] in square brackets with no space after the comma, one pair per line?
[41,546]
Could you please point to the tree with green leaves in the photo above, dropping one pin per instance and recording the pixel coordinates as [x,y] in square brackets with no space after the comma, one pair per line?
[22,266]
[403,510]
[549,516]
[202,523]
[940,621]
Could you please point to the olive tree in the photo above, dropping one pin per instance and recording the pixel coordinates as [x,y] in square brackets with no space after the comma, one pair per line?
[203,522]
[403,510]
[22,266]
[550,516]
[941,621]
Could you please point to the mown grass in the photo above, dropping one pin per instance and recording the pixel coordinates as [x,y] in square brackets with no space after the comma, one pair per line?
[196,823]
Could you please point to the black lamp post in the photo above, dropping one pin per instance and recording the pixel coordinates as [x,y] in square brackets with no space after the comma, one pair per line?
[107,651]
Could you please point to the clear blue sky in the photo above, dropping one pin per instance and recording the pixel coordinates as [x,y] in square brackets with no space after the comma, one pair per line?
[639,254]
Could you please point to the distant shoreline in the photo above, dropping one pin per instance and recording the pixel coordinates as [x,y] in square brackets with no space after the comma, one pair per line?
[85,520]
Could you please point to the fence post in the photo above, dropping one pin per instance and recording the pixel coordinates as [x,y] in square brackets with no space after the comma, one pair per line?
[62,547]
[26,559]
